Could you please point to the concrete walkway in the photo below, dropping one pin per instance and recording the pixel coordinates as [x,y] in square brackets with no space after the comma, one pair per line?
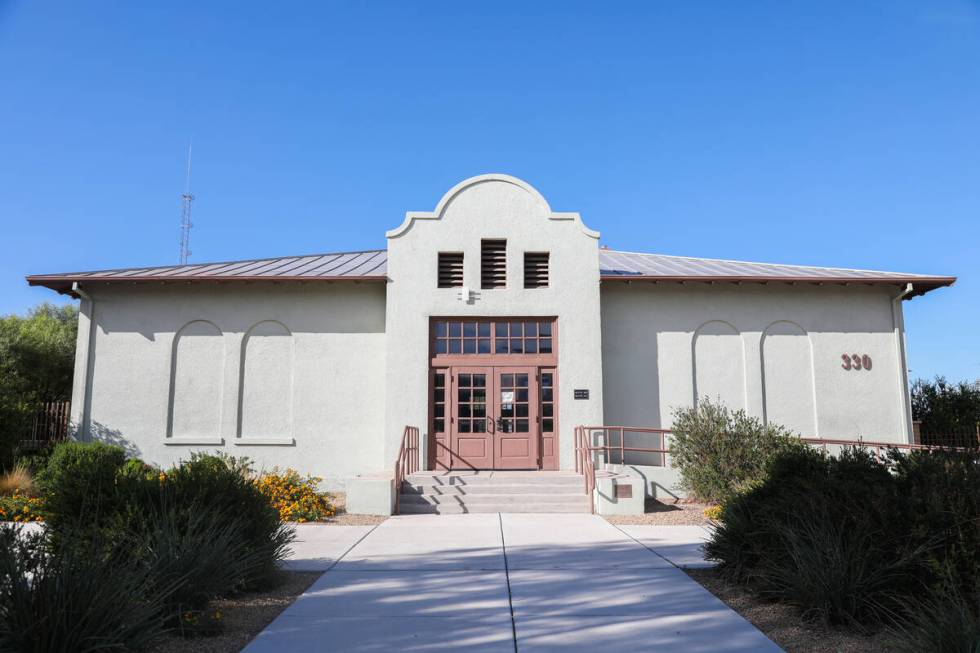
[502,582]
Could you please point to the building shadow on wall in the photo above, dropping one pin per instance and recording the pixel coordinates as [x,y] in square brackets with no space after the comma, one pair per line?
[102,433]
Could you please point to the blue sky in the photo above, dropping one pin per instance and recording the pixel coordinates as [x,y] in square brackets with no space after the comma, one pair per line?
[838,134]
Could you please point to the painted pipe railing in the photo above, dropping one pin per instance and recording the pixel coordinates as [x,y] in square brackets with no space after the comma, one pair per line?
[407,461]
[589,440]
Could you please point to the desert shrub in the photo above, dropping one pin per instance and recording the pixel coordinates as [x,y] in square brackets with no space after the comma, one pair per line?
[61,600]
[940,494]
[945,623]
[201,558]
[79,481]
[17,480]
[294,497]
[225,488]
[719,451]
[825,533]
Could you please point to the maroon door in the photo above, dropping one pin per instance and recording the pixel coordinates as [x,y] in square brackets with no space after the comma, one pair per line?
[470,427]
[515,403]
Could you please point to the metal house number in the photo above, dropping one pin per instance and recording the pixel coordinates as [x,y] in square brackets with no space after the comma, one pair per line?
[855,361]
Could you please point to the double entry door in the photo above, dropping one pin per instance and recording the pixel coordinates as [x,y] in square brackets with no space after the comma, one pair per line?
[493,417]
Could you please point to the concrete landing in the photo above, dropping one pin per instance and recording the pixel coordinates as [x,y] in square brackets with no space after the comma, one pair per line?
[506,583]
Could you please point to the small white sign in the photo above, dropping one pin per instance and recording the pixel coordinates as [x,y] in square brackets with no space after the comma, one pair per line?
[507,397]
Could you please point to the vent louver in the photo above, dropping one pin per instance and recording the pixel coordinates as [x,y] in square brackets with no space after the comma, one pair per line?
[536,269]
[493,264]
[450,270]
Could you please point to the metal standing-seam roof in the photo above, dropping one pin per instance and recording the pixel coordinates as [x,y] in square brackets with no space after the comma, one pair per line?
[371,265]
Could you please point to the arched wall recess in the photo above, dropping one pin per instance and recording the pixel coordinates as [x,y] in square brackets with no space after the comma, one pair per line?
[718,364]
[265,398]
[787,378]
[197,362]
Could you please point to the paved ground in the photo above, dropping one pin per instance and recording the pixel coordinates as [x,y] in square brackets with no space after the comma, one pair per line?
[504,582]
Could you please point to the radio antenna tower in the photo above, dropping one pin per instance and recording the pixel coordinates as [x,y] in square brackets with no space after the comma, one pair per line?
[185,213]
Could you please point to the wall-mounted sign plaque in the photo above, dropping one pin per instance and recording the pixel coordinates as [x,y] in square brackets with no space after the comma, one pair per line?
[581,393]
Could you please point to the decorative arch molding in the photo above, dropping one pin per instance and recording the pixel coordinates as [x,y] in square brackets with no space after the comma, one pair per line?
[197,363]
[718,363]
[788,377]
[265,384]
[458,189]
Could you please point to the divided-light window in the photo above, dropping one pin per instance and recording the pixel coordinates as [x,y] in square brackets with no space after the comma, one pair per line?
[450,269]
[493,264]
[536,269]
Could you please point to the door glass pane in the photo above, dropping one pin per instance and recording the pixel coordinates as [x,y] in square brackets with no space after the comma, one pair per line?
[507,410]
[547,410]
[507,380]
[483,346]
[480,394]
[546,379]
[547,425]
[522,380]
[522,394]
[439,410]
[515,346]
[439,394]
[479,380]
[440,380]
[530,346]
[439,426]
[464,426]
[479,410]
[547,394]
[522,410]
[465,380]
[506,426]
[544,345]
[523,426]
[464,410]
[501,347]
[469,346]
[463,395]
[479,426]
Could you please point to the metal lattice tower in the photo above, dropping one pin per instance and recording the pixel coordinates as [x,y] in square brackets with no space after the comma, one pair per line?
[185,214]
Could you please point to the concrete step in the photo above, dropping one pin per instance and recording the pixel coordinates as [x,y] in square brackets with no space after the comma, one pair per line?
[444,479]
[428,509]
[480,499]
[491,488]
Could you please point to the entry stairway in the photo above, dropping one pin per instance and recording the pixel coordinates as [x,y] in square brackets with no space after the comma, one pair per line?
[452,493]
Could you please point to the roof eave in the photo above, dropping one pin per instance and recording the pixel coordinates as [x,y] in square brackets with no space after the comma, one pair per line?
[63,283]
[920,285]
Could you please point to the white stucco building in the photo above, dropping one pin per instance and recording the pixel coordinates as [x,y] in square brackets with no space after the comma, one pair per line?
[494,324]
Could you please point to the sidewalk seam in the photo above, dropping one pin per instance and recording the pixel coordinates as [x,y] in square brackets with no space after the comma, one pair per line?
[653,551]
[510,598]
[349,549]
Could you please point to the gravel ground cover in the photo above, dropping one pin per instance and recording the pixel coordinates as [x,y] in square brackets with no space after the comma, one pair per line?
[664,514]
[244,617]
[343,518]
[783,624]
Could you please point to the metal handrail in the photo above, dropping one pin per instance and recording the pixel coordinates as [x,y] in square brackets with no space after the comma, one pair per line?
[584,449]
[407,461]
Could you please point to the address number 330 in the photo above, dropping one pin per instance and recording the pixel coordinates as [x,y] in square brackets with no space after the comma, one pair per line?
[855,361]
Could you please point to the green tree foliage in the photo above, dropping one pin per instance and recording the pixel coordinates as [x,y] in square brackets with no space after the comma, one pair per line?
[37,358]
[945,407]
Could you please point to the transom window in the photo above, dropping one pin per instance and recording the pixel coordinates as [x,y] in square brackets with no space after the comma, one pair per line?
[493,336]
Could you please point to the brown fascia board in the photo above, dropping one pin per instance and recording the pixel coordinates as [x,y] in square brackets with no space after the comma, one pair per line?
[920,285]
[63,284]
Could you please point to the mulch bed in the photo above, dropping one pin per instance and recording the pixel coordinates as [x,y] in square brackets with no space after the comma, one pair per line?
[783,624]
[665,514]
[244,617]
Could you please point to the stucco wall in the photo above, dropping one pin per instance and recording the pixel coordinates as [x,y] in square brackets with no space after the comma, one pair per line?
[493,206]
[287,374]
[774,350]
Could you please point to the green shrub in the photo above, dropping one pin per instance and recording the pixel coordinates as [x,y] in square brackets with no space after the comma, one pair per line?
[719,451]
[62,600]
[224,489]
[940,493]
[79,481]
[203,559]
[826,534]
[946,623]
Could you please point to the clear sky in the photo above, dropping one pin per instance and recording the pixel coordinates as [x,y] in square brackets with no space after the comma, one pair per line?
[837,134]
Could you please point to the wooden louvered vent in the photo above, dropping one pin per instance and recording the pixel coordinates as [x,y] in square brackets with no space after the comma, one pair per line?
[450,269]
[493,264]
[535,269]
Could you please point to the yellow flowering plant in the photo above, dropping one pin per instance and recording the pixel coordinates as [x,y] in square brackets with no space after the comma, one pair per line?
[713,513]
[21,507]
[294,496]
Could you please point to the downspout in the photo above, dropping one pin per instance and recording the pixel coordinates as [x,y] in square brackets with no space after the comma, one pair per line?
[81,393]
[898,325]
